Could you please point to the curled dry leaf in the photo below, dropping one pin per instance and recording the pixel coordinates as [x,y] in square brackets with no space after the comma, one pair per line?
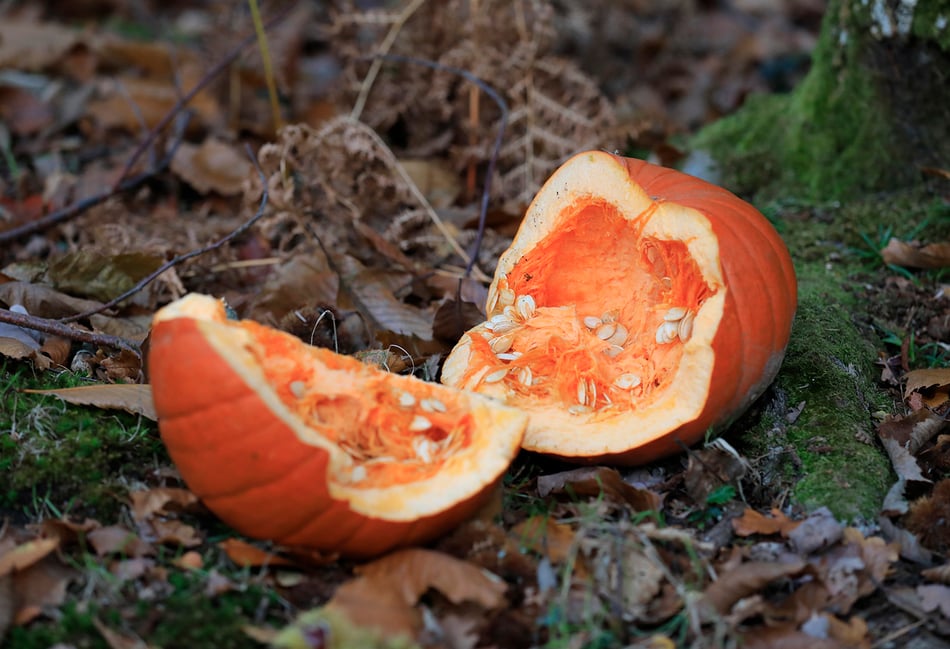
[752,522]
[902,438]
[934,597]
[214,166]
[247,555]
[819,530]
[544,535]
[746,579]
[597,481]
[938,573]
[901,253]
[931,385]
[132,398]
[114,539]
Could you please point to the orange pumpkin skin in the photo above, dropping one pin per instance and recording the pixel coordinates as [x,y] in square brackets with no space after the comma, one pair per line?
[270,476]
[597,221]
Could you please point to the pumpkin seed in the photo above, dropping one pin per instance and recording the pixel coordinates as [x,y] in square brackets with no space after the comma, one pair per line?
[505,327]
[613,351]
[578,410]
[627,381]
[419,424]
[582,392]
[591,392]
[496,376]
[685,328]
[501,344]
[667,282]
[506,297]
[298,388]
[592,322]
[676,313]
[423,449]
[525,376]
[667,333]
[605,331]
[511,312]
[525,306]
[619,336]
[358,473]
[432,405]
[406,400]
[509,356]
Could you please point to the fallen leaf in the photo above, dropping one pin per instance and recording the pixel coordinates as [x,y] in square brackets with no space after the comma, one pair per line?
[190,560]
[150,502]
[935,597]
[130,397]
[819,530]
[599,481]
[747,579]
[43,584]
[246,555]
[131,569]
[752,522]
[710,468]
[440,185]
[938,573]
[214,166]
[19,350]
[901,253]
[903,436]
[26,554]
[114,539]
[31,47]
[91,273]
[544,535]
[117,640]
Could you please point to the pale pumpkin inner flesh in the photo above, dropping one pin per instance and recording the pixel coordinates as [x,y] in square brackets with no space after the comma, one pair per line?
[391,435]
[593,318]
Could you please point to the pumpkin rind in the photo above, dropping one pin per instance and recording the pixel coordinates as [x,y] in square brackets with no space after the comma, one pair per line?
[270,474]
[598,205]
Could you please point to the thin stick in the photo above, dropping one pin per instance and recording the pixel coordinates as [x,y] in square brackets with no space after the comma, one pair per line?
[188,255]
[492,161]
[56,328]
[384,48]
[266,62]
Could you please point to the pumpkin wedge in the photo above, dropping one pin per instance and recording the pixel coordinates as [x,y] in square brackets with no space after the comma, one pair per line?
[636,309]
[303,446]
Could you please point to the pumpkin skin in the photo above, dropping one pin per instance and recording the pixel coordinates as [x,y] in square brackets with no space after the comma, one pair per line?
[700,282]
[306,447]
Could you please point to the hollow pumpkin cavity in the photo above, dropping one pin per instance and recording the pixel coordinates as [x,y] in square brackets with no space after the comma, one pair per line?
[593,318]
[388,434]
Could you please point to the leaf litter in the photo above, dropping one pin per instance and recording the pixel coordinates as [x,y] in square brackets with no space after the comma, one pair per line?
[371,221]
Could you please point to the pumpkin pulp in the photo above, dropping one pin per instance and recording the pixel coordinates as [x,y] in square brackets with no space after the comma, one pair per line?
[391,436]
[609,309]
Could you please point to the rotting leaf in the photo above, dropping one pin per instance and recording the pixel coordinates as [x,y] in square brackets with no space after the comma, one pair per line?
[214,166]
[710,468]
[901,253]
[90,273]
[599,481]
[746,579]
[130,397]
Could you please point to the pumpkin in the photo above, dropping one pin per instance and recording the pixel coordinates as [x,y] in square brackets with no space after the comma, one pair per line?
[637,309]
[306,447]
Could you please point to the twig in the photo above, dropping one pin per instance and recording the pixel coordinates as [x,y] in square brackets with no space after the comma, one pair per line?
[496,150]
[244,227]
[125,184]
[266,62]
[57,328]
[384,48]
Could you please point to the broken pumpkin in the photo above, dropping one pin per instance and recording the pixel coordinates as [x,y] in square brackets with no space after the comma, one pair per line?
[297,444]
[636,309]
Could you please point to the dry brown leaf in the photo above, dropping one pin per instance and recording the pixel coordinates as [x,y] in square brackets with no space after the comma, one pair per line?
[43,584]
[214,166]
[102,276]
[148,503]
[597,481]
[57,349]
[133,398]
[190,560]
[374,290]
[117,640]
[710,468]
[114,539]
[27,554]
[544,535]
[440,185]
[746,579]
[935,597]
[819,530]
[246,555]
[903,436]
[932,385]
[413,571]
[901,253]
[938,573]
[44,301]
[19,350]
[752,522]
[32,47]
[173,532]
[130,569]
[23,111]
[786,637]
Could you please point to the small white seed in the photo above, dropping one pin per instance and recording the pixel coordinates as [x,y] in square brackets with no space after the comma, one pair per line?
[423,449]
[592,322]
[676,313]
[506,297]
[667,333]
[509,356]
[358,473]
[578,410]
[492,302]
[524,375]
[406,400]
[610,316]
[501,344]
[619,336]
[591,392]
[613,351]
[685,328]
[496,376]
[510,312]
[582,392]
[432,405]
[605,331]
[419,424]
[505,327]
[627,381]
[525,306]
[298,388]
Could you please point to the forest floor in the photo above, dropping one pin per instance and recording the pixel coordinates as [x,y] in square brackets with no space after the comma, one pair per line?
[823,520]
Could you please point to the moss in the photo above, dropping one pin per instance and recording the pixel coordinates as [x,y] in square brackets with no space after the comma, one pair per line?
[848,128]
[60,458]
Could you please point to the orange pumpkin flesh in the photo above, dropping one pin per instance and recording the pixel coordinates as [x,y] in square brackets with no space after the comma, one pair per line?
[636,309]
[303,446]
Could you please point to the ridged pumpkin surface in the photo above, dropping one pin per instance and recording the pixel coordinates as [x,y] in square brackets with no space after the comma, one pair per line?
[303,446]
[636,309]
